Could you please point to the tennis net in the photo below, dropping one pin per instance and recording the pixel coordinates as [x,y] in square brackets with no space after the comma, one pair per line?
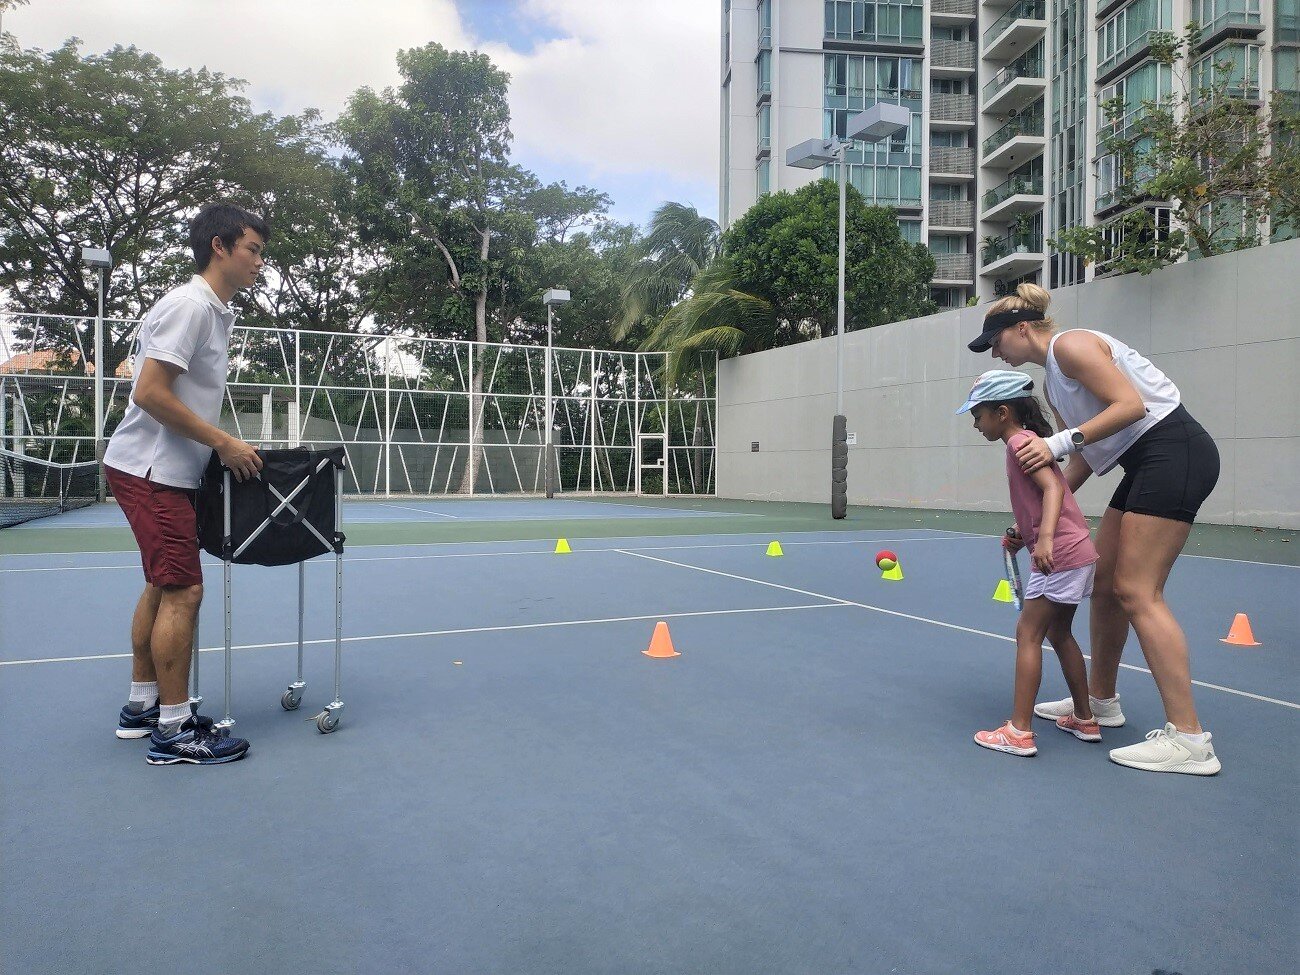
[34,488]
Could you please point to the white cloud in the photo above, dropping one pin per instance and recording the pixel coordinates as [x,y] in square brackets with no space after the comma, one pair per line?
[625,88]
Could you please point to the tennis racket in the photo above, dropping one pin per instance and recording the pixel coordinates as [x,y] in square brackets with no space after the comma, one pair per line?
[1013,573]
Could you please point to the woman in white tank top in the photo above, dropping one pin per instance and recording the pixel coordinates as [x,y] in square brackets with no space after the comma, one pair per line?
[1115,408]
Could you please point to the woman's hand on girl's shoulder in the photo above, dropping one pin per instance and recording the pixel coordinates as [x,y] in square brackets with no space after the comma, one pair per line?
[1033,454]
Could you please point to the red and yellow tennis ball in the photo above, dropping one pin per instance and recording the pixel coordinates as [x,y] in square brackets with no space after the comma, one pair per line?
[886,560]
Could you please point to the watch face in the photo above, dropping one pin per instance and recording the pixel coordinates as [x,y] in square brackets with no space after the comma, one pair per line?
[1077,438]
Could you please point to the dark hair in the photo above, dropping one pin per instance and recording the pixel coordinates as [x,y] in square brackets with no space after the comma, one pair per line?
[1027,411]
[224,220]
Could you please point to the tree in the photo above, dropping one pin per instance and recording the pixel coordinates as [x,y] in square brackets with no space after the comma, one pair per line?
[116,150]
[677,247]
[457,221]
[785,251]
[1198,170]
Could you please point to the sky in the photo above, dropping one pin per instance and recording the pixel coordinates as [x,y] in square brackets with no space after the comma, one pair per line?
[620,95]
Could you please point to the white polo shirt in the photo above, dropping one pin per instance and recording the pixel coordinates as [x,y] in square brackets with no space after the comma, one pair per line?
[190,328]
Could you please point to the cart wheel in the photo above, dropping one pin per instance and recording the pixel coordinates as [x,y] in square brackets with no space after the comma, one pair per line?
[326,722]
[290,701]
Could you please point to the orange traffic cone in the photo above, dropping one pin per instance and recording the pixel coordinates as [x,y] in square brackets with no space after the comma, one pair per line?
[661,644]
[1240,635]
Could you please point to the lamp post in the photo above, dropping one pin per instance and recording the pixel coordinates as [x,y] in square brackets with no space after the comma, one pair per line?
[551,298]
[880,121]
[101,260]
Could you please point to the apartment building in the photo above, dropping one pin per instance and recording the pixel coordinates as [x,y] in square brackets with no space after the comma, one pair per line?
[1002,151]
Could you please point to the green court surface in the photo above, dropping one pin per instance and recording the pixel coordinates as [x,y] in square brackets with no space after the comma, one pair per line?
[699,516]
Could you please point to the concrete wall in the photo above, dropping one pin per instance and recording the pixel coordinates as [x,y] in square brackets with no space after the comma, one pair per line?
[1226,330]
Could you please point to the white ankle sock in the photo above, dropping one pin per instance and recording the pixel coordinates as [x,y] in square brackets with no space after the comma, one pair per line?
[145,694]
[1103,700]
[173,713]
[1198,739]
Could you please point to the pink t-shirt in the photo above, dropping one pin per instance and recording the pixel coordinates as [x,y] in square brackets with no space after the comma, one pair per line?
[1072,546]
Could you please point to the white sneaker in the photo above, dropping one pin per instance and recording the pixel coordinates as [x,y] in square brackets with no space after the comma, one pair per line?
[1108,714]
[1165,750]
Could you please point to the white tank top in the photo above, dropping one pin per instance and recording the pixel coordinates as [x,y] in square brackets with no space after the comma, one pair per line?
[1077,405]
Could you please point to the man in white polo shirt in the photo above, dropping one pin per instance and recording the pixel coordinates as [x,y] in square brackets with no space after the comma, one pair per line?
[154,461]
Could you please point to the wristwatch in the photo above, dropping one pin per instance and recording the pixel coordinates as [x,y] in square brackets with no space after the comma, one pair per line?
[1076,439]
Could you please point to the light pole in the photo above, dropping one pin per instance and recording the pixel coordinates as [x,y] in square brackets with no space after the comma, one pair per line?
[880,121]
[551,298]
[101,260]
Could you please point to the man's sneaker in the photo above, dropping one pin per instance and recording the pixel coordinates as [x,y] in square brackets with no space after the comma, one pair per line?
[194,744]
[1165,750]
[1105,713]
[1083,730]
[141,724]
[137,724]
[1008,739]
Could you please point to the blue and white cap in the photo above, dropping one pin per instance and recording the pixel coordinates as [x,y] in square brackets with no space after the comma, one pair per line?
[997,385]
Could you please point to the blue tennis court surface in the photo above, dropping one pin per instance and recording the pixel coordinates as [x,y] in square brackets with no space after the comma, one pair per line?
[517,788]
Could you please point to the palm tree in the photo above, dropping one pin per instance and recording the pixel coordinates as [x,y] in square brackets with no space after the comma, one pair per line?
[680,244]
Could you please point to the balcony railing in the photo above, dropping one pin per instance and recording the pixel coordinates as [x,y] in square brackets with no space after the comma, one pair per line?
[1024,10]
[966,7]
[1025,68]
[952,54]
[1010,187]
[952,213]
[954,267]
[1286,27]
[952,160]
[952,108]
[997,248]
[1220,15]
[1030,123]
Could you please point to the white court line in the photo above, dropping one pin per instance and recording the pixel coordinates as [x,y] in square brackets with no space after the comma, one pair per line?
[933,622]
[454,632]
[402,507]
[581,550]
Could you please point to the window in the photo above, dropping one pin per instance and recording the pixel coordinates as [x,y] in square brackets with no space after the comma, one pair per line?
[900,21]
[948,244]
[1127,31]
[764,23]
[1151,82]
[911,230]
[942,192]
[1214,14]
[764,174]
[1235,67]
[959,139]
[764,127]
[1286,69]
[764,73]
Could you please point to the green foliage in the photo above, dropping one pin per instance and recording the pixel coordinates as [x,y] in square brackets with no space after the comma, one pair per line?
[785,251]
[1219,162]
[116,150]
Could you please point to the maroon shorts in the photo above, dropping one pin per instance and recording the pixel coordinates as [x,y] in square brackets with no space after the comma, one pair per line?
[165,528]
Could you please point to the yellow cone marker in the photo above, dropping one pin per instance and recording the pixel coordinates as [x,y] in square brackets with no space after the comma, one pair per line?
[562,547]
[1002,594]
[894,575]
[774,549]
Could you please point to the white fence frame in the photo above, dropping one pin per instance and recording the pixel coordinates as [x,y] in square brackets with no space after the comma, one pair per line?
[400,406]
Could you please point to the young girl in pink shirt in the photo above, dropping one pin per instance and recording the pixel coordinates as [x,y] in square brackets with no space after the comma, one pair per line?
[1050,524]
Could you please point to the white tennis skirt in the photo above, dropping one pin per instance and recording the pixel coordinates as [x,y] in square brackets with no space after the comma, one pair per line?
[1070,586]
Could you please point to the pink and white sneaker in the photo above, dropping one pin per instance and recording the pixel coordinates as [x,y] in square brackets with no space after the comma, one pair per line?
[1083,729]
[1008,739]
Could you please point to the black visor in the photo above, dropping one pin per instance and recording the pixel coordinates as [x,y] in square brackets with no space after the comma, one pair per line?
[994,324]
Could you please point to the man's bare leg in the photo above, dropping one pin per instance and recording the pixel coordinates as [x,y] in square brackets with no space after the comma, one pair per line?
[172,641]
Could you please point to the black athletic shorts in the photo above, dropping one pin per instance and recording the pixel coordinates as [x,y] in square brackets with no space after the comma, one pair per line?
[1170,470]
